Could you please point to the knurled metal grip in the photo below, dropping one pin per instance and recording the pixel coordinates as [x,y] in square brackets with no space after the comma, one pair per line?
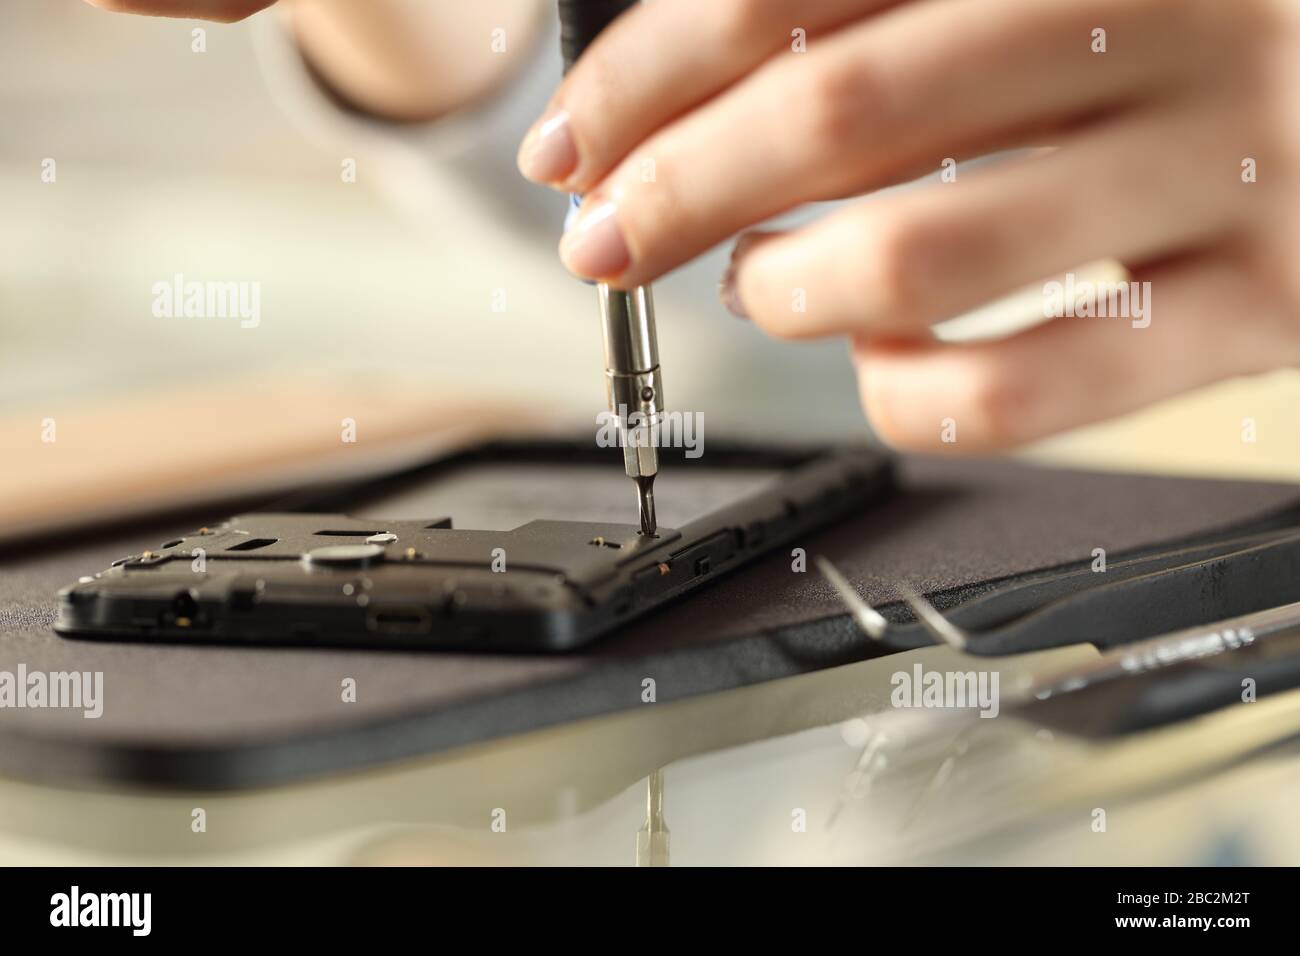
[633,380]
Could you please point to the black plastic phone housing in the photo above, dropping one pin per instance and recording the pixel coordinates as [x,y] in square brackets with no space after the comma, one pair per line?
[326,579]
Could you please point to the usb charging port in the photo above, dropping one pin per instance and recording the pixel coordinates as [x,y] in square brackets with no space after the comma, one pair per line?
[399,620]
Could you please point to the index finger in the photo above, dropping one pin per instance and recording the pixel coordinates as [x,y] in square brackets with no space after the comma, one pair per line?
[656,62]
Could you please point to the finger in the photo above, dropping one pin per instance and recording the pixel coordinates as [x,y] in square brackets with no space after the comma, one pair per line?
[1074,371]
[928,79]
[653,64]
[222,11]
[1143,186]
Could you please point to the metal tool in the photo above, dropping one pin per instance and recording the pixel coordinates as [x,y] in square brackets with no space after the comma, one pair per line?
[1192,643]
[1138,657]
[633,382]
[633,386]
[1165,649]
[868,618]
[940,628]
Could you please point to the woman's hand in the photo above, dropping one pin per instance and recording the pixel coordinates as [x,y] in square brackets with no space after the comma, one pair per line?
[1177,127]
[405,60]
[222,11]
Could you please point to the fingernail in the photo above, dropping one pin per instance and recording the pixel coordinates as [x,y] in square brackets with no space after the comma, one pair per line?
[727,292]
[727,289]
[594,247]
[548,154]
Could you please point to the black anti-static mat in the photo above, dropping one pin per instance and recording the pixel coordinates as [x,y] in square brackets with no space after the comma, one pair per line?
[230,717]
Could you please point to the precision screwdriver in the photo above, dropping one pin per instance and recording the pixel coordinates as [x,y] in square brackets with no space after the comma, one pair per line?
[633,381]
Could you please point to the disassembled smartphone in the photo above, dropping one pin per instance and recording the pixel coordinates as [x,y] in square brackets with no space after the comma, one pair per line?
[545,567]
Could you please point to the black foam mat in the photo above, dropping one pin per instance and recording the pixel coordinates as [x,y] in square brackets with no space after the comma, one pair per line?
[232,717]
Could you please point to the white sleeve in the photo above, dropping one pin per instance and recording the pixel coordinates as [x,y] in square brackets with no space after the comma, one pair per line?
[475,147]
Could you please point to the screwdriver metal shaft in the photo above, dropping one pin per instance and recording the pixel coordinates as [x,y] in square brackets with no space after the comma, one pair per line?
[634,387]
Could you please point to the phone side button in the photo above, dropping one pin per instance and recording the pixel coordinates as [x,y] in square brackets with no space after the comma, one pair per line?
[411,619]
